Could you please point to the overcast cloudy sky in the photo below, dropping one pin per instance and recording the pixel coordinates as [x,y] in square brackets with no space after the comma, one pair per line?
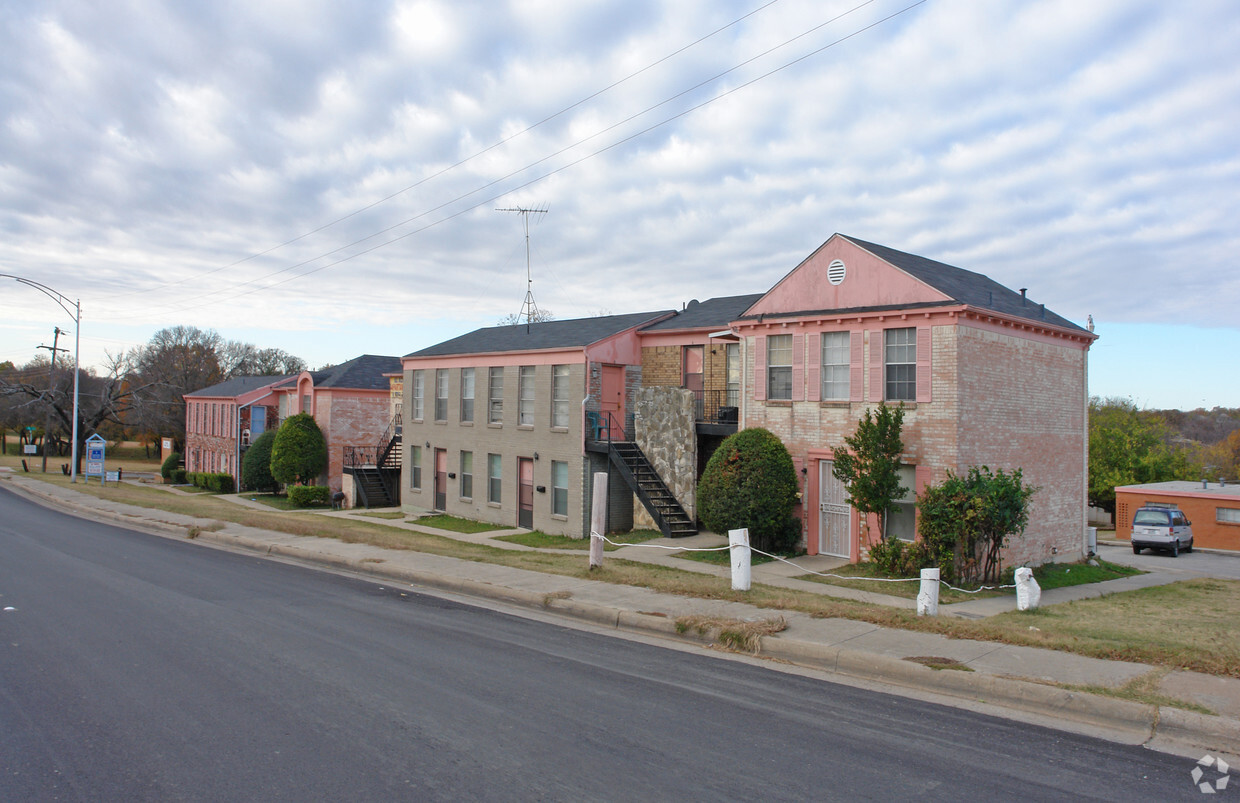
[325,177]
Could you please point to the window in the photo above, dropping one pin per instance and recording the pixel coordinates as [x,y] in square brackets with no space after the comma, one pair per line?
[691,361]
[733,351]
[305,403]
[441,394]
[779,367]
[525,396]
[559,487]
[835,366]
[467,394]
[494,473]
[1227,515]
[900,363]
[559,395]
[419,394]
[902,517]
[415,467]
[495,396]
[467,475]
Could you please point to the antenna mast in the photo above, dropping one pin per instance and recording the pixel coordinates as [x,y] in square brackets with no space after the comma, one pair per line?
[529,310]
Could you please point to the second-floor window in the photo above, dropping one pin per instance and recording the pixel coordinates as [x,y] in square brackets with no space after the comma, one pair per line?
[441,394]
[900,364]
[525,396]
[419,394]
[559,395]
[495,396]
[835,366]
[467,394]
[733,352]
[779,367]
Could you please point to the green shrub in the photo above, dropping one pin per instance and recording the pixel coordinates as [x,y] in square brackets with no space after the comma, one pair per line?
[299,452]
[179,476]
[308,495]
[750,482]
[170,464]
[901,558]
[256,465]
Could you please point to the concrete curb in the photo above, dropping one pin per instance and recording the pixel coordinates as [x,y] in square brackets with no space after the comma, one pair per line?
[1163,728]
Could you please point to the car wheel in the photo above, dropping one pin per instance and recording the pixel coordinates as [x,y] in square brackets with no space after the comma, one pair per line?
[1189,548]
[1175,548]
[1136,550]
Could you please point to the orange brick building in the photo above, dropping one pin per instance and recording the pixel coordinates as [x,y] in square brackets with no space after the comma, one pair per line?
[1213,509]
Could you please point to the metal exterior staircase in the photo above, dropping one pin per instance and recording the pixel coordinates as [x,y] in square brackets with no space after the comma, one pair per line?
[645,482]
[371,487]
[376,469]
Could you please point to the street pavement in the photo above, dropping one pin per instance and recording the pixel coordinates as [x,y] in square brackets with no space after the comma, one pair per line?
[1032,684]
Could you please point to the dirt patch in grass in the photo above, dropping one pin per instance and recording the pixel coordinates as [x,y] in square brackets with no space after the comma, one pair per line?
[1143,689]
[937,662]
[734,634]
[541,540]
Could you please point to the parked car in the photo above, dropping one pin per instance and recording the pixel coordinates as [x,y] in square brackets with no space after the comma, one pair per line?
[1159,527]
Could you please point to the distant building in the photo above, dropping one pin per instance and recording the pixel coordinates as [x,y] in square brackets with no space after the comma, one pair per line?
[1213,508]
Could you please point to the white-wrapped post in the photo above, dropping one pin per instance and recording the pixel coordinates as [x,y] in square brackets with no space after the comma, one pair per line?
[928,594]
[598,519]
[1028,592]
[738,542]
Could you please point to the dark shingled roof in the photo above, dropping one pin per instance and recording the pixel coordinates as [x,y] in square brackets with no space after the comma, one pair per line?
[714,313]
[360,373]
[575,333]
[965,286]
[238,385]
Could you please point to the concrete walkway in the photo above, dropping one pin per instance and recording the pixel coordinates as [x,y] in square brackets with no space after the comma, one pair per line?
[1033,684]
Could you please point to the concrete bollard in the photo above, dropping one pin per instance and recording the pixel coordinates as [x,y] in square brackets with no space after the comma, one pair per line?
[1028,592]
[598,519]
[928,594]
[738,541]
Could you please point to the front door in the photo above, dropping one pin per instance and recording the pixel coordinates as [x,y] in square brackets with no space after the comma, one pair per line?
[834,513]
[611,401]
[525,493]
[441,479]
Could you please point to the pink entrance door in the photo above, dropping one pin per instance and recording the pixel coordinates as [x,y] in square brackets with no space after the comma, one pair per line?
[611,400]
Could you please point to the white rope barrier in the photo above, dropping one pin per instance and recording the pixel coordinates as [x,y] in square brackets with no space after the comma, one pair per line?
[804,569]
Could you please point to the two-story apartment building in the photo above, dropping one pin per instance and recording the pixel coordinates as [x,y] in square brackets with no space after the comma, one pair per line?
[496,421]
[222,420]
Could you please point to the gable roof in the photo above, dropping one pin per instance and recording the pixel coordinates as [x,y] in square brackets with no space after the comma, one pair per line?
[574,333]
[360,373]
[965,286]
[714,313]
[238,385]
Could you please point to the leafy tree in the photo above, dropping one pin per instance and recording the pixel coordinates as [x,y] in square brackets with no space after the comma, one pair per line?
[299,452]
[513,318]
[1128,446]
[966,521]
[750,482]
[256,465]
[870,469]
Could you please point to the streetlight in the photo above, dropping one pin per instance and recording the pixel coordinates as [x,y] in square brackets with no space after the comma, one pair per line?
[76,314]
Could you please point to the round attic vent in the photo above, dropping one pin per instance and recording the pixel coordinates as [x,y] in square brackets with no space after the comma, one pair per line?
[836,272]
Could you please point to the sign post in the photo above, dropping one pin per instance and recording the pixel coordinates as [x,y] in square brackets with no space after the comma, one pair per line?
[95,449]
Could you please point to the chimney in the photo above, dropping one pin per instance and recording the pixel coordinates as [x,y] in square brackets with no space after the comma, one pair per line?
[1022,294]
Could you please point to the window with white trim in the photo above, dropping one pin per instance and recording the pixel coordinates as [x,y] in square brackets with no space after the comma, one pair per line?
[900,364]
[415,467]
[1227,515]
[495,395]
[902,516]
[525,396]
[836,365]
[779,367]
[467,394]
[494,475]
[559,396]
[441,394]
[419,394]
[467,475]
[559,487]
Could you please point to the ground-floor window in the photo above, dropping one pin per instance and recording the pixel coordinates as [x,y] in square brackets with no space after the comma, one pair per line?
[415,467]
[495,465]
[902,519]
[559,487]
[467,475]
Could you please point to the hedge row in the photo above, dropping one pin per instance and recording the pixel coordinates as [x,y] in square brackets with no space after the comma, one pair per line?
[308,495]
[220,483]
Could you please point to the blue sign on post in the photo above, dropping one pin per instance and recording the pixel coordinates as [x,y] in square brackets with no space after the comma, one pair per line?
[95,449]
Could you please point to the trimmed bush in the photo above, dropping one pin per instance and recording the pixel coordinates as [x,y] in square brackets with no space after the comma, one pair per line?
[750,482]
[256,465]
[170,464]
[299,452]
[308,495]
[179,476]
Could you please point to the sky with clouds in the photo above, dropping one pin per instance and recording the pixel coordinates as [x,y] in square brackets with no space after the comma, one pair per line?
[326,177]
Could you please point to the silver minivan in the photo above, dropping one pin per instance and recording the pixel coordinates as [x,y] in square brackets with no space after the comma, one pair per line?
[1161,527]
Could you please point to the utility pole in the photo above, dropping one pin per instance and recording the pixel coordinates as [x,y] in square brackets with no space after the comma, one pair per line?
[51,376]
[529,309]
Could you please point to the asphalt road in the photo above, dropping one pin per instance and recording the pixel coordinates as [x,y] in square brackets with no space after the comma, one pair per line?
[136,667]
[1197,563]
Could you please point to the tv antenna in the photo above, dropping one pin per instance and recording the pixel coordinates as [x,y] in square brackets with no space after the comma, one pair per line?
[529,310]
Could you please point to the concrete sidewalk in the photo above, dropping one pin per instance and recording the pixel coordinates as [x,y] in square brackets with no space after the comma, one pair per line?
[1006,680]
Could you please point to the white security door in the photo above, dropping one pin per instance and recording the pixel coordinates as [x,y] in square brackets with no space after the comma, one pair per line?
[834,513]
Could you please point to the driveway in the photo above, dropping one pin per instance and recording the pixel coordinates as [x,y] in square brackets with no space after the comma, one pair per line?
[1211,563]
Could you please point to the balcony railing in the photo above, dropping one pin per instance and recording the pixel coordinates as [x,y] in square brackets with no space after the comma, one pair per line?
[358,456]
[716,406]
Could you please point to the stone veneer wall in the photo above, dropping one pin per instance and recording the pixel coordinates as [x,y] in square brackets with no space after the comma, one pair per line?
[666,432]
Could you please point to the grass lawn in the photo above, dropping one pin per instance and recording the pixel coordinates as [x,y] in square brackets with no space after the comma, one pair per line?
[384,514]
[541,540]
[455,524]
[723,557]
[1185,625]
[1057,575]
